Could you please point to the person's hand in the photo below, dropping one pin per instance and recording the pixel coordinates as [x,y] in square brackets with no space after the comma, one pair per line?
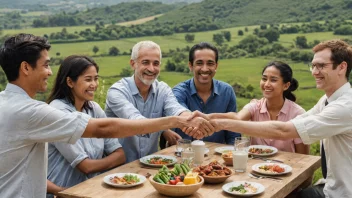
[197,113]
[198,128]
[171,137]
[216,124]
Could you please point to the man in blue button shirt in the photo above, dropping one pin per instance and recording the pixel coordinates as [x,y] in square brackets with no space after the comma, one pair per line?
[205,94]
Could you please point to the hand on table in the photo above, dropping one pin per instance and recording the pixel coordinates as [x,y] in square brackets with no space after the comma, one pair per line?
[171,137]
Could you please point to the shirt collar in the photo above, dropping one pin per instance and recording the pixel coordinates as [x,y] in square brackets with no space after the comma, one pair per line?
[285,108]
[214,91]
[344,88]
[134,88]
[16,89]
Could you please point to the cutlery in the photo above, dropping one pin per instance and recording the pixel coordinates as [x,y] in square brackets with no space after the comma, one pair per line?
[267,159]
[262,177]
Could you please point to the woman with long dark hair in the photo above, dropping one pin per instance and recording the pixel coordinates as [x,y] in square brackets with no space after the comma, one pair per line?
[70,164]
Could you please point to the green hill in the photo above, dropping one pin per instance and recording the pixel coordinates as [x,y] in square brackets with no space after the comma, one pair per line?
[107,15]
[124,12]
[230,13]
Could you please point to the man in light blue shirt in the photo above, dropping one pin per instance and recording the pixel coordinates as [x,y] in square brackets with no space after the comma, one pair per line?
[142,96]
[205,94]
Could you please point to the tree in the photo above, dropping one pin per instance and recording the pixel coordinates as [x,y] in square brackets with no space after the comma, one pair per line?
[301,42]
[58,53]
[246,29]
[240,33]
[113,51]
[270,34]
[126,72]
[227,35]
[218,38]
[189,38]
[95,49]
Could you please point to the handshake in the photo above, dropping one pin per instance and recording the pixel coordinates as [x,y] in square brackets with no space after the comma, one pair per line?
[199,125]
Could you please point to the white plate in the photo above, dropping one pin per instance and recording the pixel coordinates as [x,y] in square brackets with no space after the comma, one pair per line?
[144,160]
[287,168]
[106,179]
[226,188]
[263,147]
[206,150]
[224,149]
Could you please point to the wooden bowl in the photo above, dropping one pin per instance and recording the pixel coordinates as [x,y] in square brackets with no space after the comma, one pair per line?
[215,179]
[176,190]
[228,160]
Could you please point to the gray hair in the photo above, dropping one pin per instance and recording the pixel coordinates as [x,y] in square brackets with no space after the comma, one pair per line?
[143,44]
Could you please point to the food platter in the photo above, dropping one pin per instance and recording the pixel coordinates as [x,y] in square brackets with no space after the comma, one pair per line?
[248,188]
[148,160]
[272,168]
[109,179]
[262,150]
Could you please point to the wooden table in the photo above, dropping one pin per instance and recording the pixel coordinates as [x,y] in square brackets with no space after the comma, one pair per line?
[303,167]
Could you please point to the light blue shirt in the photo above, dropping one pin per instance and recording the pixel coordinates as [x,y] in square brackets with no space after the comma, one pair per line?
[124,101]
[26,126]
[221,100]
[63,158]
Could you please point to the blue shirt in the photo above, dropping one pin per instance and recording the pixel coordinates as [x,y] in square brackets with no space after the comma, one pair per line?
[63,158]
[221,100]
[25,127]
[124,101]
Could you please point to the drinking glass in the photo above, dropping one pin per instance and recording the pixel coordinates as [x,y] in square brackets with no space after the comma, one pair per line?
[181,145]
[240,154]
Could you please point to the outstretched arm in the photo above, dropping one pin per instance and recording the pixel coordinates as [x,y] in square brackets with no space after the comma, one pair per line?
[266,129]
[117,127]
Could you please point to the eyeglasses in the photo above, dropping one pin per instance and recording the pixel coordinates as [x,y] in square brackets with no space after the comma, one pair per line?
[319,66]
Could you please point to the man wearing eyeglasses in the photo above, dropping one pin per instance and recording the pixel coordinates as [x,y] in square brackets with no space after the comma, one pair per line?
[330,120]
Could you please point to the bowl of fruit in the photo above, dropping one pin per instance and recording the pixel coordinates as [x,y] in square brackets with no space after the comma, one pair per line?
[178,182]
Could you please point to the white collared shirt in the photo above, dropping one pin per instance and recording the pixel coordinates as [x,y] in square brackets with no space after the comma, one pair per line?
[333,125]
[25,127]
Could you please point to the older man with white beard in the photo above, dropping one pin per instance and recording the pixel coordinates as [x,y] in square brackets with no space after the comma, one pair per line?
[142,96]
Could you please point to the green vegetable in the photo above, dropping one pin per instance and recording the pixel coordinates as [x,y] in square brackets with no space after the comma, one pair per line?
[184,169]
[239,189]
[158,179]
[178,168]
[131,178]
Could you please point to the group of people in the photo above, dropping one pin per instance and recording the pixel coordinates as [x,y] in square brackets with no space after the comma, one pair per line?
[85,140]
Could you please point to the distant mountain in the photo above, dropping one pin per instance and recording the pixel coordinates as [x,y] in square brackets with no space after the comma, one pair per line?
[229,13]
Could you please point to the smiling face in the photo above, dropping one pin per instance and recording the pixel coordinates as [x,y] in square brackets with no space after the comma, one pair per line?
[40,74]
[204,66]
[327,78]
[272,84]
[85,86]
[147,66]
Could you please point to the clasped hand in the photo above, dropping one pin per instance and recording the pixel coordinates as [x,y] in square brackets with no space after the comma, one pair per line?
[199,125]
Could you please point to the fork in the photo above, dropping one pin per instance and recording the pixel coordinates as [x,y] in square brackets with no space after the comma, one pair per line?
[263,177]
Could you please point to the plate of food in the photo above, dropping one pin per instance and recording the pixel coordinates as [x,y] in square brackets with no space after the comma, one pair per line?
[224,149]
[272,168]
[124,180]
[158,160]
[243,188]
[262,150]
